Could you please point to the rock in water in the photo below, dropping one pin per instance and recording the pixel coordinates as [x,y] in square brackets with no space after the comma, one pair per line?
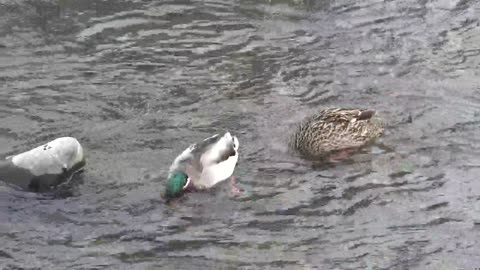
[45,166]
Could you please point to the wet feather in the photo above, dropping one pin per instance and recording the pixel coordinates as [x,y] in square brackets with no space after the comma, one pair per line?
[208,162]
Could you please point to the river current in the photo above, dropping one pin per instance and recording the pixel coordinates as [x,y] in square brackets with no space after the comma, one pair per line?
[137,81]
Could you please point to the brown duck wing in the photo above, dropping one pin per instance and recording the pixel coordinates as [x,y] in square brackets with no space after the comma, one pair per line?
[345,115]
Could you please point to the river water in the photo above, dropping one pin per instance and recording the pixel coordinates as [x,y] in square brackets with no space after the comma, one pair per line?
[137,81]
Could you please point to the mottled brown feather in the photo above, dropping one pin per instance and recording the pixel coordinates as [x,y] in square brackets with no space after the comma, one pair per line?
[335,129]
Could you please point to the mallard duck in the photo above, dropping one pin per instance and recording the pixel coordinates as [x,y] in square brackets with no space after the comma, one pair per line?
[45,166]
[334,130]
[203,165]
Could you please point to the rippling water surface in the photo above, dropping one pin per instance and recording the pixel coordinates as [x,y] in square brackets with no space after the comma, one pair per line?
[137,81]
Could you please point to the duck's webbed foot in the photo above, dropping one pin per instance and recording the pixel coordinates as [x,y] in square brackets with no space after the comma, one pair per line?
[341,155]
[234,189]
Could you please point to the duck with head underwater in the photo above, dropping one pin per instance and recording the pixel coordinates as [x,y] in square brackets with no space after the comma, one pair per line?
[336,133]
[203,165]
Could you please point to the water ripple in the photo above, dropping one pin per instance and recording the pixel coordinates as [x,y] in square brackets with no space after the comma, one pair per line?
[137,82]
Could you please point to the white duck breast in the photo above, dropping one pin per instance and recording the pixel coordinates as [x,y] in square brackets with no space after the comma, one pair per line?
[208,162]
[219,161]
[44,166]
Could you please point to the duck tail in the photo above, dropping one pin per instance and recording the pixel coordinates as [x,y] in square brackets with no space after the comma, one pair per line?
[365,115]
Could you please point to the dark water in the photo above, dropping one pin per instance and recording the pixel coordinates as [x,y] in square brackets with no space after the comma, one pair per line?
[137,81]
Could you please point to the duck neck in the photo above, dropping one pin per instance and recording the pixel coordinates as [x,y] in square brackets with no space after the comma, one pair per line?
[190,187]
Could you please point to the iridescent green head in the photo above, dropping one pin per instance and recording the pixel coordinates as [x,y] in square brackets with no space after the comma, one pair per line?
[176,185]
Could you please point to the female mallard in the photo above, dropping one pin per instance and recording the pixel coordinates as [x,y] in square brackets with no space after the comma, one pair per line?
[202,165]
[334,131]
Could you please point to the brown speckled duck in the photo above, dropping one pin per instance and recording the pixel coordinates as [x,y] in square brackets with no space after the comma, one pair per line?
[335,132]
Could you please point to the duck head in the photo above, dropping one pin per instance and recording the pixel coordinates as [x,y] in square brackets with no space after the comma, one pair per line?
[176,185]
